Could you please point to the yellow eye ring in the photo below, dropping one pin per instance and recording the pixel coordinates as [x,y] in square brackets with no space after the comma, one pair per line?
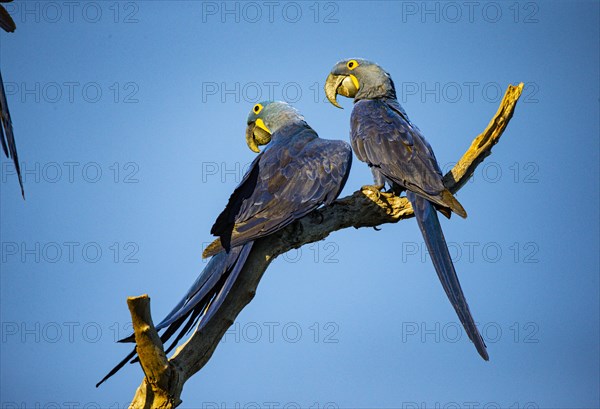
[352,64]
[257,108]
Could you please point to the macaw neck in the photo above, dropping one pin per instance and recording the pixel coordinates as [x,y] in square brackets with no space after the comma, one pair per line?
[292,129]
[375,88]
[284,127]
[282,119]
[384,103]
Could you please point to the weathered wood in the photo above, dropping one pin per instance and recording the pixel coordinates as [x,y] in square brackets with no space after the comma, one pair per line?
[161,385]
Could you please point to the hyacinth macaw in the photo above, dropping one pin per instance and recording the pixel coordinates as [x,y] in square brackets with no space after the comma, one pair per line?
[8,142]
[397,153]
[294,175]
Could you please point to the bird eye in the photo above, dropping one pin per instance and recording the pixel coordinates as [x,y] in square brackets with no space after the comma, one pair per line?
[257,108]
[352,64]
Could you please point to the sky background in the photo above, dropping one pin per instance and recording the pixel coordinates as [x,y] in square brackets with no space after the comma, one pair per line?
[130,118]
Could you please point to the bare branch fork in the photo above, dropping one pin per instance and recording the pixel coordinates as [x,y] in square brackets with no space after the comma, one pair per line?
[164,378]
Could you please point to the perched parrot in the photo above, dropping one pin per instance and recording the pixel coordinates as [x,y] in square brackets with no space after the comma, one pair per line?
[397,153]
[294,175]
[8,143]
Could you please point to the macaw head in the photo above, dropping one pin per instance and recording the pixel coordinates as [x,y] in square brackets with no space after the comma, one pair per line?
[359,79]
[266,118]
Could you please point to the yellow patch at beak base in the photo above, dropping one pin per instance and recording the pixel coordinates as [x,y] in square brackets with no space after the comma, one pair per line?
[354,81]
[259,122]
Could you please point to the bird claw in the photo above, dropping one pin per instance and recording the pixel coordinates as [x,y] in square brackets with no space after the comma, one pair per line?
[376,189]
[376,228]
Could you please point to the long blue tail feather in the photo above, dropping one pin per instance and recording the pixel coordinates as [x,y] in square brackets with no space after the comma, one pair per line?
[433,235]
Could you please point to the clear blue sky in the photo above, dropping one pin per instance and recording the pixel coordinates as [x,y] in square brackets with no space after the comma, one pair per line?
[130,121]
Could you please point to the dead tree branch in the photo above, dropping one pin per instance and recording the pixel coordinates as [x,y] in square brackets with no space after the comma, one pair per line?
[164,380]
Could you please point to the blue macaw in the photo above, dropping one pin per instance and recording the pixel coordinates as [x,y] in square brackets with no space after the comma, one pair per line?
[8,142]
[397,153]
[295,174]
